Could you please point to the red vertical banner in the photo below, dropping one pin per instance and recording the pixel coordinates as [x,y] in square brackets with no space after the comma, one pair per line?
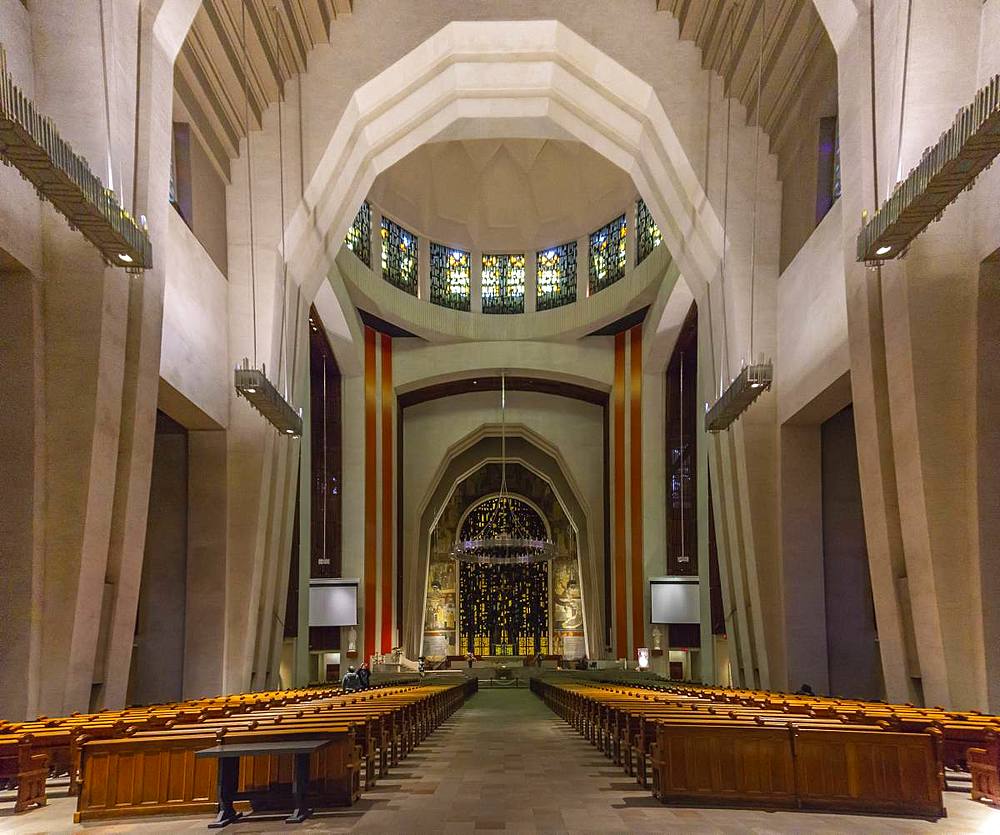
[388,402]
[635,482]
[618,393]
[371,491]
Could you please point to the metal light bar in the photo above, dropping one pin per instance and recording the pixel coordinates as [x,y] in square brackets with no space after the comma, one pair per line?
[945,169]
[31,143]
[252,383]
[750,383]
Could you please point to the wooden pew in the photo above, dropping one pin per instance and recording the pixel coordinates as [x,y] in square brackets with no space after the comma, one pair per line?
[22,767]
[760,752]
[155,771]
[984,764]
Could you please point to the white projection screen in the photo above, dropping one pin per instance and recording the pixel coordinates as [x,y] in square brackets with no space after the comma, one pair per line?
[333,602]
[674,600]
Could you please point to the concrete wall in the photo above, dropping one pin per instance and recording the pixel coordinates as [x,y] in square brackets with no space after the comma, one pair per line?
[855,669]
[798,155]
[157,671]
[194,363]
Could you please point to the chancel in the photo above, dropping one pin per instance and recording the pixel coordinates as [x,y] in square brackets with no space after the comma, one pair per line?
[576,415]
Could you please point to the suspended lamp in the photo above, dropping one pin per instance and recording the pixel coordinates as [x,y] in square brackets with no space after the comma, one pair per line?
[251,382]
[506,538]
[946,168]
[754,377]
[30,142]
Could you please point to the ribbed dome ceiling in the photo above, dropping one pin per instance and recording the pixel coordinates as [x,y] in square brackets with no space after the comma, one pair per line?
[503,195]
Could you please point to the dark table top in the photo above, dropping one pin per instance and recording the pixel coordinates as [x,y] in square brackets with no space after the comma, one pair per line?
[247,749]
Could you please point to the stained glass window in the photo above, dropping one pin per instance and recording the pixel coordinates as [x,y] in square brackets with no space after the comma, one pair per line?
[607,254]
[503,284]
[647,233]
[359,235]
[556,276]
[449,277]
[399,256]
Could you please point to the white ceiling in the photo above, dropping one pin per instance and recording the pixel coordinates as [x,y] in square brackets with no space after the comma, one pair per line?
[503,195]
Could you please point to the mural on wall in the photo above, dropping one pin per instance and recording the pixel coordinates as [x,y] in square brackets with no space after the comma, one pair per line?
[442,605]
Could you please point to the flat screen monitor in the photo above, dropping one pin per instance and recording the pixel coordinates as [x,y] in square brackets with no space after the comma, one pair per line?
[675,600]
[333,602]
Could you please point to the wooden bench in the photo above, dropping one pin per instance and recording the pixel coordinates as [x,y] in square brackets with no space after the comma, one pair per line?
[20,766]
[756,751]
[984,764]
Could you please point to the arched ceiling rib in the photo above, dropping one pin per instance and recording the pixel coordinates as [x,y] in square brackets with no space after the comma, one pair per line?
[209,69]
[794,33]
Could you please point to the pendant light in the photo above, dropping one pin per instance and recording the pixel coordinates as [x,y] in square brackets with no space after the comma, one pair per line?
[506,538]
[252,382]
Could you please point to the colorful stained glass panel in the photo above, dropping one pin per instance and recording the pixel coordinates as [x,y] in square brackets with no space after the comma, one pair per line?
[359,235]
[450,277]
[399,256]
[503,283]
[556,275]
[607,254]
[647,233]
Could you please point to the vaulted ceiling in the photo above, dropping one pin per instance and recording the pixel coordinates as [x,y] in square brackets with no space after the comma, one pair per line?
[728,34]
[209,76]
[503,195]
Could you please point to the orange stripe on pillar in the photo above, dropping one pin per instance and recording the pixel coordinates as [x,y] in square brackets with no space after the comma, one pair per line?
[621,617]
[371,491]
[635,494]
[387,515]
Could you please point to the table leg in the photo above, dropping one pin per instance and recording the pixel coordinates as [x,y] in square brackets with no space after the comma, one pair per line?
[300,781]
[229,770]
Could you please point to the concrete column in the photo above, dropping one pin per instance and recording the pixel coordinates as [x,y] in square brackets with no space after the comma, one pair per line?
[582,266]
[912,354]
[988,477]
[22,449]
[424,268]
[476,281]
[86,312]
[530,282]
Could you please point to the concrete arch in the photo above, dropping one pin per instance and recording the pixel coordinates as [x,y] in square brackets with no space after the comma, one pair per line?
[465,457]
[501,79]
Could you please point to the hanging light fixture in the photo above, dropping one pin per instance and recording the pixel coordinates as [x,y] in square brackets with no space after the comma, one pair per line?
[754,377]
[252,382]
[31,143]
[506,538]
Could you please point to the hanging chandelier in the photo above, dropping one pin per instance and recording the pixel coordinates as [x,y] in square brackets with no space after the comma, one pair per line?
[505,535]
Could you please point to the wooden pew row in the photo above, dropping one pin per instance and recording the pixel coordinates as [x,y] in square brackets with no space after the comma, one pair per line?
[57,739]
[156,771]
[754,756]
[960,730]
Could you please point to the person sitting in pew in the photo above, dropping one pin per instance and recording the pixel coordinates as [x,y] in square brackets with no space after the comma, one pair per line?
[805,690]
[351,681]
